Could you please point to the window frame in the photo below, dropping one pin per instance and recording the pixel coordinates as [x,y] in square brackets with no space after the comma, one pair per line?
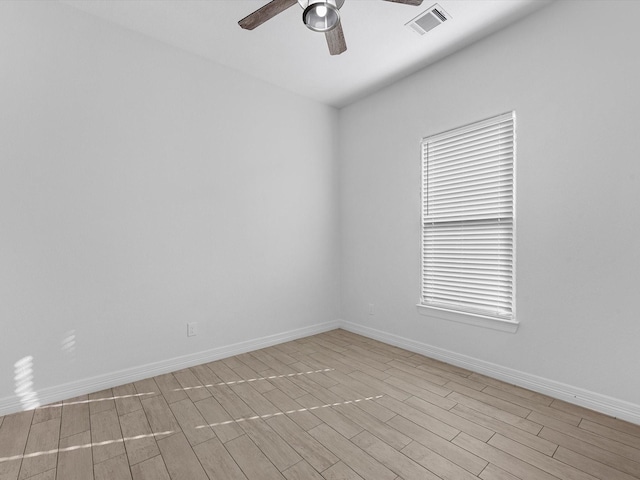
[462,315]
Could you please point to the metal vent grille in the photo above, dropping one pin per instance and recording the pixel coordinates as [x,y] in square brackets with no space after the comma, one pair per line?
[428,20]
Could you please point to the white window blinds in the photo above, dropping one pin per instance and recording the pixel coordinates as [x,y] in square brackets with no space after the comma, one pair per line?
[468,218]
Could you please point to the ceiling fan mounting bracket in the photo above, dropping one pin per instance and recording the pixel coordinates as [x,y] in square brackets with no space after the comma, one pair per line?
[305,3]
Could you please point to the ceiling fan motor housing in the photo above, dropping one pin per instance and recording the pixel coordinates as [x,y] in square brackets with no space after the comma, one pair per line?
[321,15]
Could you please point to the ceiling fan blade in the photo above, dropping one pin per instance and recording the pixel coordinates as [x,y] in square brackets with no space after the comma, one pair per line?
[270,10]
[335,40]
[407,2]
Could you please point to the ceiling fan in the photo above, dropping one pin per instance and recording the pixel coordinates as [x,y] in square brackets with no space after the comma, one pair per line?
[318,15]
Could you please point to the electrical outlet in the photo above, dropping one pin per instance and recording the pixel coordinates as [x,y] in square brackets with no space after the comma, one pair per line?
[192,329]
[372,309]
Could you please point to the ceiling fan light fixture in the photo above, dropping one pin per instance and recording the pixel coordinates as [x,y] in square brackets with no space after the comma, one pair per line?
[321,16]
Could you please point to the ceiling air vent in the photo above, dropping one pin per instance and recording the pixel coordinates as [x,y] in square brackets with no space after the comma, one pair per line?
[428,20]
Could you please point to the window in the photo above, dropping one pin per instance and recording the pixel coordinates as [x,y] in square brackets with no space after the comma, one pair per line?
[468,220]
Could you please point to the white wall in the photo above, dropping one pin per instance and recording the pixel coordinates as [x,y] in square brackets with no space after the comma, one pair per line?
[142,188]
[572,75]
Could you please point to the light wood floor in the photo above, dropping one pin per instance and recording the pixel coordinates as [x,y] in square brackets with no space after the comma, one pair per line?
[331,406]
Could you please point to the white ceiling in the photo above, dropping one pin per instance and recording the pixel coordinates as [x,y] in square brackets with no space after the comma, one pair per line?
[285,53]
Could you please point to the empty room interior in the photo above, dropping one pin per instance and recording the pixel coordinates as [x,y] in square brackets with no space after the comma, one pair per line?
[343,239]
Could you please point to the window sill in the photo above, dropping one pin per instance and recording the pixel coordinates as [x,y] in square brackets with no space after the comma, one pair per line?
[469,318]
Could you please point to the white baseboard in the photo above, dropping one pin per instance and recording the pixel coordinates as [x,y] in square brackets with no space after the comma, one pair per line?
[578,396]
[85,386]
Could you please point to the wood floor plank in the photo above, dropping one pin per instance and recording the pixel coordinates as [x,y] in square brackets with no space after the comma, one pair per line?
[507,462]
[321,378]
[604,431]
[193,387]
[171,390]
[389,350]
[205,375]
[286,386]
[252,362]
[443,366]
[180,459]
[392,458]
[330,416]
[402,370]
[232,403]
[282,368]
[253,463]
[371,424]
[372,408]
[340,471]
[75,461]
[218,419]
[451,419]
[507,387]
[147,388]
[490,400]
[41,449]
[508,430]
[307,447]
[46,412]
[14,433]
[101,401]
[591,451]
[217,462]
[494,473]
[532,405]
[586,464]
[491,411]
[48,475]
[223,372]
[442,369]
[256,401]
[126,398]
[75,416]
[279,452]
[381,386]
[361,462]
[302,471]
[248,374]
[543,462]
[160,417]
[192,423]
[366,353]
[281,352]
[437,444]
[286,348]
[356,364]
[592,438]
[139,441]
[331,362]
[422,393]
[151,469]
[597,417]
[345,381]
[313,388]
[299,414]
[420,418]
[106,436]
[328,344]
[437,464]
[116,468]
